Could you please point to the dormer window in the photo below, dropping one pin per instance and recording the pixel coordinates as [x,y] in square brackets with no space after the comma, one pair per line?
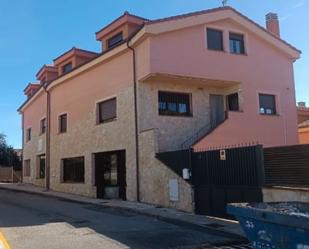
[67,68]
[43,80]
[116,39]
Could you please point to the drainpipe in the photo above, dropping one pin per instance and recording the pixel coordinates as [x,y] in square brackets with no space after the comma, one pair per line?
[22,146]
[47,145]
[136,122]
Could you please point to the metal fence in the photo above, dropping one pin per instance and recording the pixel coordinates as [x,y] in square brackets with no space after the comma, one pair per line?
[220,176]
[225,176]
[287,166]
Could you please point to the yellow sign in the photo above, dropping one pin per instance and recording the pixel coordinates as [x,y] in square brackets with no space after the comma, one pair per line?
[222,155]
[3,243]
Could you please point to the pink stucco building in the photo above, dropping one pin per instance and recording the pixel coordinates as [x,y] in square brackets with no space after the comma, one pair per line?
[93,123]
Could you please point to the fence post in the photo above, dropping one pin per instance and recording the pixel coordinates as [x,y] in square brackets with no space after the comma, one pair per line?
[260,165]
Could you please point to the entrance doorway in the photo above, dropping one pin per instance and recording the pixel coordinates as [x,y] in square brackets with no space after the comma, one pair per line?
[217,113]
[41,166]
[110,174]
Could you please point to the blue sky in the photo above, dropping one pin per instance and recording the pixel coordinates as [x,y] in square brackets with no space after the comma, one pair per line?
[33,32]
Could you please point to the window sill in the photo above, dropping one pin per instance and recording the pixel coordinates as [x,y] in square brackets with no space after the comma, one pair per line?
[107,121]
[216,51]
[176,116]
[239,111]
[68,182]
[269,115]
[60,133]
[245,54]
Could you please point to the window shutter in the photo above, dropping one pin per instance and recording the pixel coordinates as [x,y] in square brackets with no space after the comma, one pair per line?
[107,110]
[214,39]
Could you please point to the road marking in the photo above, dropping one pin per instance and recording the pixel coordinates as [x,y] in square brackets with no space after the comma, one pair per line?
[3,243]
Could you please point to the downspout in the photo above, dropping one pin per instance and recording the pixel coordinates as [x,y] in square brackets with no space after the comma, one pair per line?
[22,146]
[136,122]
[47,140]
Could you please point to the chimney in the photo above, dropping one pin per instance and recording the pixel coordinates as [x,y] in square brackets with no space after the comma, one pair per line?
[301,104]
[272,23]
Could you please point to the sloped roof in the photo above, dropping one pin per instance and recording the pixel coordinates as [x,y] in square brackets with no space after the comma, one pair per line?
[76,51]
[125,14]
[203,12]
[304,124]
[149,22]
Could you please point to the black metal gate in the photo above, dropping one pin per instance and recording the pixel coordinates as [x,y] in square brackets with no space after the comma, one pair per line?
[226,176]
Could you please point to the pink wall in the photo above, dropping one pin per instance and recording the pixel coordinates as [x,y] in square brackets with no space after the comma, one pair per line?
[78,95]
[265,69]
[35,112]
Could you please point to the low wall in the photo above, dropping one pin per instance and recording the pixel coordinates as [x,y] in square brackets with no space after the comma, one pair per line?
[274,194]
[8,175]
[5,174]
[17,176]
[158,183]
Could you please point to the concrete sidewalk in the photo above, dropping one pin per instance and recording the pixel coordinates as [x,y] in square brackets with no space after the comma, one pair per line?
[220,226]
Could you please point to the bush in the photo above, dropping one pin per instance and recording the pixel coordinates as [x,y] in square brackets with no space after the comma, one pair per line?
[8,156]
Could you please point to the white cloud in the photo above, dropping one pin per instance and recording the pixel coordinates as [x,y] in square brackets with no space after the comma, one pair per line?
[300,3]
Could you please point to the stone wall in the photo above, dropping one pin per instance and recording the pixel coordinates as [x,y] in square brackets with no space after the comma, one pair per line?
[86,137]
[155,177]
[173,131]
[32,149]
[275,194]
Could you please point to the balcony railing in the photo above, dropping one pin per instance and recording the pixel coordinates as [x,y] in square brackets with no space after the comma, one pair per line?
[202,132]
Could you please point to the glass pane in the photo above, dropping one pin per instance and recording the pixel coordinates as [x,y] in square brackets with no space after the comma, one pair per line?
[42,167]
[174,103]
[183,108]
[63,123]
[233,102]
[113,174]
[214,39]
[108,110]
[67,68]
[114,40]
[73,169]
[162,106]
[267,104]
[172,107]
[237,44]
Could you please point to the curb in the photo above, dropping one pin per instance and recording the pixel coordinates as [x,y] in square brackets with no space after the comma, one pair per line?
[213,231]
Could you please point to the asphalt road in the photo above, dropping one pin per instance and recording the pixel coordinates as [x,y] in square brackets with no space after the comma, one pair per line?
[36,222]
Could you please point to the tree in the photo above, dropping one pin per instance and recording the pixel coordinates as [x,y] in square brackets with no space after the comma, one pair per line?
[8,156]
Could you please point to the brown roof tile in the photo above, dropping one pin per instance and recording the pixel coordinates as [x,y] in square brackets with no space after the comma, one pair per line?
[304,124]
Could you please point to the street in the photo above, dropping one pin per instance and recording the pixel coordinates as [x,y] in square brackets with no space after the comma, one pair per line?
[36,222]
